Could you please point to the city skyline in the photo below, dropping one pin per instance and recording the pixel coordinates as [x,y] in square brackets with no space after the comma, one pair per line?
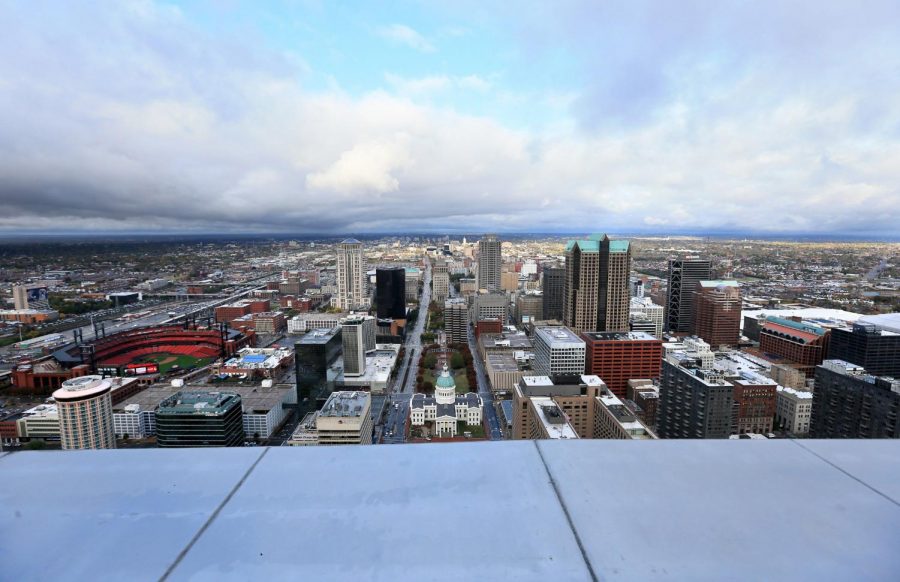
[226,117]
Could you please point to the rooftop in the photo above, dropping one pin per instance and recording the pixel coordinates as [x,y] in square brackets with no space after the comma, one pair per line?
[205,402]
[554,420]
[319,336]
[619,336]
[557,334]
[345,403]
[230,514]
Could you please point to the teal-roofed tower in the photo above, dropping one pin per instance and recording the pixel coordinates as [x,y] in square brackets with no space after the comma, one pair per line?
[445,388]
[596,296]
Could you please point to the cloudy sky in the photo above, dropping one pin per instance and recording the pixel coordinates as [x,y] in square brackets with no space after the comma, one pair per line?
[327,117]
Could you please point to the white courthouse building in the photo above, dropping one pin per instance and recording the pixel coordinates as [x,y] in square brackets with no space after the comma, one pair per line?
[445,408]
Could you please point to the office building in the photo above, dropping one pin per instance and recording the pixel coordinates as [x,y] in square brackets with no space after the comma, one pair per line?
[440,282]
[509,281]
[20,297]
[572,395]
[351,276]
[617,357]
[684,274]
[614,420]
[695,401]
[390,292]
[314,354]
[529,307]
[489,263]
[553,280]
[717,312]
[413,278]
[358,339]
[793,410]
[849,403]
[596,296]
[800,343]
[875,348]
[755,398]
[644,315]
[456,320]
[558,350]
[345,419]
[303,322]
[200,418]
[490,306]
[645,394]
[85,413]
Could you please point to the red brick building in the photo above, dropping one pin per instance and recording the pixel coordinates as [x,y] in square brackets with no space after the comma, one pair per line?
[717,312]
[755,400]
[488,326]
[617,357]
[803,344]
[232,311]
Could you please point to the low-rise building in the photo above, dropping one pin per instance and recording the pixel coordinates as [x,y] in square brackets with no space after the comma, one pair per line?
[200,418]
[304,322]
[257,363]
[613,420]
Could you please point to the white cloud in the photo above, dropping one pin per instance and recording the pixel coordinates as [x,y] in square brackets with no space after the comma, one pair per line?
[436,83]
[402,34]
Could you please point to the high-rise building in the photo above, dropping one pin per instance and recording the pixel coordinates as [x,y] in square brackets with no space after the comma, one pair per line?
[848,403]
[456,320]
[695,401]
[344,419]
[717,312]
[684,274]
[562,406]
[558,351]
[85,413]
[644,315]
[617,357]
[358,338]
[596,295]
[875,348]
[199,418]
[490,306]
[351,275]
[390,292]
[314,354]
[553,281]
[645,395]
[529,307]
[614,420]
[440,282]
[20,297]
[489,263]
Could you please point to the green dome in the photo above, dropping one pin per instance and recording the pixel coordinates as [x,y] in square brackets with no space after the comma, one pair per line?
[445,380]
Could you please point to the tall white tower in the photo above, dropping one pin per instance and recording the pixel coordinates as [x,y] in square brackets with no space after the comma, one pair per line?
[351,275]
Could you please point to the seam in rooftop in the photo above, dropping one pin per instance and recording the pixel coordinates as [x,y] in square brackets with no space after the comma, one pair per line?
[565,509]
[211,519]
[847,473]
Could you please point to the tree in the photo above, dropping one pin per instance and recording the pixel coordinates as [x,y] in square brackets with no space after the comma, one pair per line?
[36,445]
[427,387]
[256,437]
[456,361]
[429,361]
[126,436]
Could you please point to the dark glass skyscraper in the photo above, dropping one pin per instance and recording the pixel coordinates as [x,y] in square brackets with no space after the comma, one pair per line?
[200,419]
[390,292]
[554,279]
[684,274]
[850,404]
[876,350]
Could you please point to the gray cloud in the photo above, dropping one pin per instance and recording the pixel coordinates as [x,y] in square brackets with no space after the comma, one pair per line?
[691,116]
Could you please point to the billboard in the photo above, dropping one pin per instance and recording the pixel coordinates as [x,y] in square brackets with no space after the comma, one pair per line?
[141,368]
[37,293]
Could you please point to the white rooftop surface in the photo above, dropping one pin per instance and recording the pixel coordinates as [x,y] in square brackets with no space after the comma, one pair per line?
[701,524]
[885,321]
[537,380]
[561,430]
[725,512]
[805,312]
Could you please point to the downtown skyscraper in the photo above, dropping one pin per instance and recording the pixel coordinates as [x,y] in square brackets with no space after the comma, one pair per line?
[351,276]
[596,295]
[489,263]
[684,274]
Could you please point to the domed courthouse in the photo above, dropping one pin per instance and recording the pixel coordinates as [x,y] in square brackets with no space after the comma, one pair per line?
[445,408]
